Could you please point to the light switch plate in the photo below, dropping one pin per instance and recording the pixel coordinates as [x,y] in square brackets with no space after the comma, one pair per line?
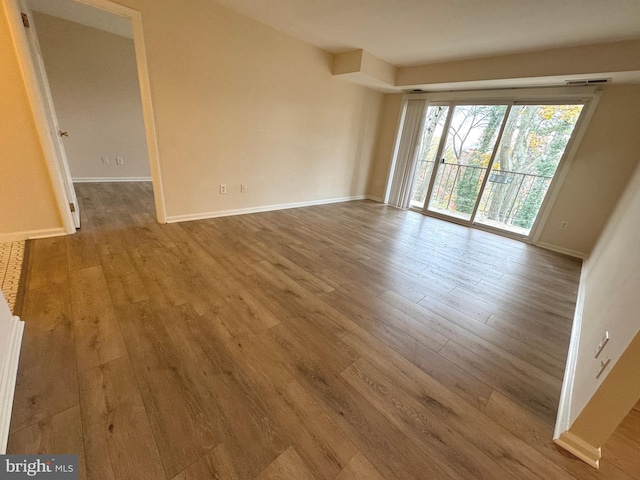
[602,343]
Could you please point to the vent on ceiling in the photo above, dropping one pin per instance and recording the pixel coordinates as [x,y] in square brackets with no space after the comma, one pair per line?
[589,81]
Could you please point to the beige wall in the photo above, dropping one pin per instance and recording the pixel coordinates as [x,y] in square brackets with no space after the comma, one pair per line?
[602,166]
[26,194]
[94,84]
[611,282]
[235,102]
[598,175]
[239,102]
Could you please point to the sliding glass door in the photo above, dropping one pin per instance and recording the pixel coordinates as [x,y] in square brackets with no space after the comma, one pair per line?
[490,164]
[464,159]
[532,144]
[427,151]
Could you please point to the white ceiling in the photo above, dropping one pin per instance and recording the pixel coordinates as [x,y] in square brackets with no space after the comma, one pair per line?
[84,14]
[413,32]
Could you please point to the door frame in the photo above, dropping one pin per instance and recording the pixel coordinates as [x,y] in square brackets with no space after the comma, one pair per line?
[37,101]
[589,96]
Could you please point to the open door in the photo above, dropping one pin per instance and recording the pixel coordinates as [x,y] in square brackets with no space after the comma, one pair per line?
[52,121]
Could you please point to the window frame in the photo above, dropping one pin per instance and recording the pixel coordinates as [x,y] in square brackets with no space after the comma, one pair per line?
[587,95]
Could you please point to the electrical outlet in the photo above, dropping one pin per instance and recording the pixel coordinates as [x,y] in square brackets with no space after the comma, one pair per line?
[104,159]
[120,160]
[243,188]
[563,225]
[378,182]
[223,188]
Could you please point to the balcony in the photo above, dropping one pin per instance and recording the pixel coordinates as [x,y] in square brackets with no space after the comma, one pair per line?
[510,200]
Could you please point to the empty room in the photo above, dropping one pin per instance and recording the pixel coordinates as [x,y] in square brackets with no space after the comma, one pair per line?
[291,239]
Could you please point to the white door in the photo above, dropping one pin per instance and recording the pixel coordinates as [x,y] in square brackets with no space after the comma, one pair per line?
[54,129]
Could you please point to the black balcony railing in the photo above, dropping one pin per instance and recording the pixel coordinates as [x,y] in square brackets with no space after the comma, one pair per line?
[510,200]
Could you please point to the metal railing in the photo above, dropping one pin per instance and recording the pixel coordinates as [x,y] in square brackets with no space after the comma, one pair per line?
[510,199]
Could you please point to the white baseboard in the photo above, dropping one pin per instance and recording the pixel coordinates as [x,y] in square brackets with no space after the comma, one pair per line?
[31,234]
[566,251]
[110,179]
[8,375]
[375,199]
[266,208]
[581,449]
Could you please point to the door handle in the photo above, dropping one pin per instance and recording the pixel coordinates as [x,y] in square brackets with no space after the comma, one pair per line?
[63,134]
[442,160]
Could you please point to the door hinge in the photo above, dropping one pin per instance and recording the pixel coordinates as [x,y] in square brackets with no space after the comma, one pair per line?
[25,20]
[72,207]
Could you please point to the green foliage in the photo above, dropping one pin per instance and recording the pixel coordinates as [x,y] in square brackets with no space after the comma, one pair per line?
[467,189]
[533,141]
[529,211]
[548,134]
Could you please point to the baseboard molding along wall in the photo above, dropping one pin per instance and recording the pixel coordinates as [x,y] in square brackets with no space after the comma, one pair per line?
[565,251]
[8,374]
[266,208]
[110,179]
[581,449]
[31,235]
[375,199]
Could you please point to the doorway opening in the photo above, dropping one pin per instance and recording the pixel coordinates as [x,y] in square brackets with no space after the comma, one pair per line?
[81,114]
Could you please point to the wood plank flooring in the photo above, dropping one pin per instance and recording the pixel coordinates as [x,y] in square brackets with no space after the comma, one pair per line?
[345,341]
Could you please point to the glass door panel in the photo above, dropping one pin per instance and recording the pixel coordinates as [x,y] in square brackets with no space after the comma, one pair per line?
[470,142]
[433,126]
[532,144]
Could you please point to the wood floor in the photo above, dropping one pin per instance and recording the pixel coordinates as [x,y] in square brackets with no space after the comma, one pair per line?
[346,341]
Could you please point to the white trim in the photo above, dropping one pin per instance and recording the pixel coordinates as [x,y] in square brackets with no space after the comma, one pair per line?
[32,234]
[110,179]
[35,235]
[266,208]
[581,449]
[565,251]
[563,419]
[37,103]
[8,380]
[374,198]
